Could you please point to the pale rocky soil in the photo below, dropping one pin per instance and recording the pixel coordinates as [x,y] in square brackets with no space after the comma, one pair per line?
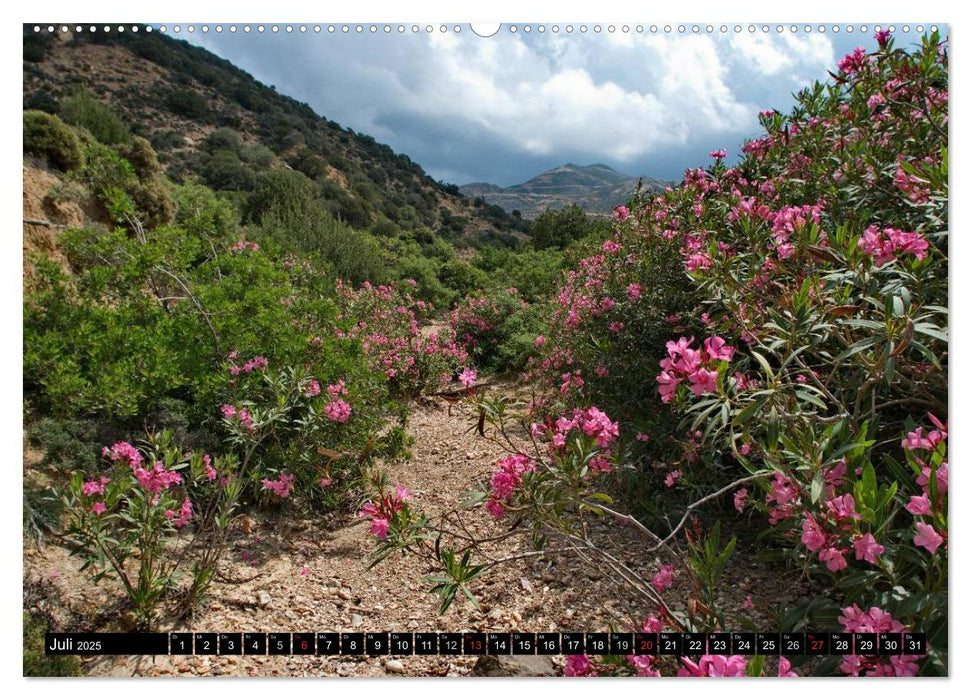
[308,576]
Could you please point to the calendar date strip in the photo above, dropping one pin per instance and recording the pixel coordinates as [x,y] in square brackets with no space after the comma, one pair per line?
[485,643]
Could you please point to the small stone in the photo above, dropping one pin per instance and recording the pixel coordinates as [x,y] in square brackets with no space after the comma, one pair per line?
[356,620]
[394,666]
[264,598]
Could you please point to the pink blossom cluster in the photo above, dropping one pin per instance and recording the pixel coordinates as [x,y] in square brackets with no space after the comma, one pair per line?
[280,486]
[156,479]
[888,244]
[505,480]
[714,666]
[874,620]
[312,388]
[578,666]
[183,516]
[123,451]
[915,189]
[95,486]
[787,221]
[335,391]
[242,415]
[854,61]
[244,245]
[209,469]
[258,362]
[382,513]
[664,578]
[621,213]
[338,411]
[697,366]
[468,377]
[390,333]
[925,505]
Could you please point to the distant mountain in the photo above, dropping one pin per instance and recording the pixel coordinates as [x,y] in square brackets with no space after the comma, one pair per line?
[596,189]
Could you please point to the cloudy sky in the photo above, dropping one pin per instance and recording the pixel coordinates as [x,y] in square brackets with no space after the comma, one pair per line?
[505,108]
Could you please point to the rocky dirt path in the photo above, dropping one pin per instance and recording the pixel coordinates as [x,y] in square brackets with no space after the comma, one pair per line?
[303,576]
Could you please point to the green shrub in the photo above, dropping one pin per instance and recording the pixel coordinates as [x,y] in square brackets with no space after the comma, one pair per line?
[85,110]
[187,103]
[142,157]
[48,137]
[153,202]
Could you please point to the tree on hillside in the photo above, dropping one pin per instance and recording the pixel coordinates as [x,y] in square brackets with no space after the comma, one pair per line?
[558,228]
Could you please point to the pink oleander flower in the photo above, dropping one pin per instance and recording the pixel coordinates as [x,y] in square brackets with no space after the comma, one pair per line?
[156,479]
[495,508]
[89,488]
[642,437]
[928,538]
[843,507]
[183,516]
[664,578]
[401,492]
[99,508]
[468,377]
[338,411]
[854,62]
[281,486]
[210,470]
[747,604]
[882,36]
[739,499]
[919,505]
[228,410]
[379,528]
[634,291]
[720,153]
[867,548]
[312,388]
[325,482]
[621,213]
[745,449]
[714,666]
[335,391]
[579,666]
[123,451]
[672,478]
[785,668]
[812,534]
[540,341]
[833,558]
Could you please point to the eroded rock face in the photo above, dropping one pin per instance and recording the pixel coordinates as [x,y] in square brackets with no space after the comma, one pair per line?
[505,666]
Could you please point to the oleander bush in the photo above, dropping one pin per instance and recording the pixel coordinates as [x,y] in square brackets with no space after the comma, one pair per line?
[772,337]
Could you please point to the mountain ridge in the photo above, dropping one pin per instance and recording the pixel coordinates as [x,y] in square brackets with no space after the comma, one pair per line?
[595,188]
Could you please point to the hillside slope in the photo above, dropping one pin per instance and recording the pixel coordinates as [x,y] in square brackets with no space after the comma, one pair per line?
[206,117]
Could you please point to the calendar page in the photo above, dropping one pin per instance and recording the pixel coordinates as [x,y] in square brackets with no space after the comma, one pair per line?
[420,349]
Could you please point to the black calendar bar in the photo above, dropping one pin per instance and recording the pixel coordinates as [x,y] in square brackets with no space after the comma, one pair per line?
[106,644]
[690,644]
